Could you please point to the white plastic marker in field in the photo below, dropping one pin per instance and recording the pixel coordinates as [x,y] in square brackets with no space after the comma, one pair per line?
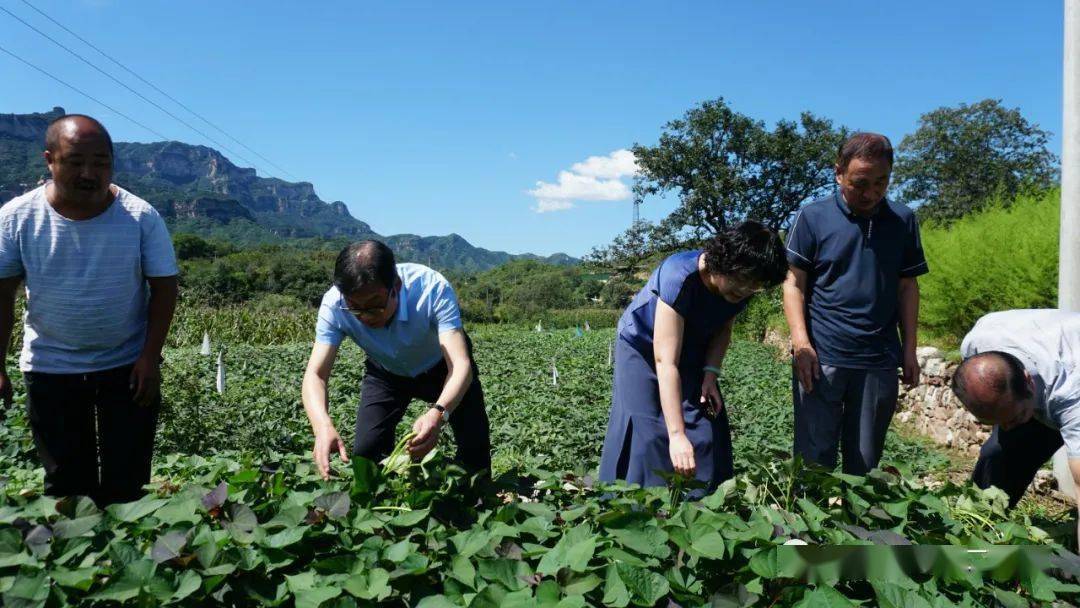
[220,373]
[610,353]
[539,326]
[554,373]
[205,350]
[587,328]
[1063,474]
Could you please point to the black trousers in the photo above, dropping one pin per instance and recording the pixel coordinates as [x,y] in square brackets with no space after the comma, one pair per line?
[1010,459]
[385,396]
[91,437]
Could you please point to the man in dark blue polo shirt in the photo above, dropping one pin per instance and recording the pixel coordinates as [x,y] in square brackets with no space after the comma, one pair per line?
[853,260]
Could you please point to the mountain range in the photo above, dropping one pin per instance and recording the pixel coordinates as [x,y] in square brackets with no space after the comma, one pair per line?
[200,191]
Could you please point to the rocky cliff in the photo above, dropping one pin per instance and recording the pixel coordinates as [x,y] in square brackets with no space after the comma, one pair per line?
[198,189]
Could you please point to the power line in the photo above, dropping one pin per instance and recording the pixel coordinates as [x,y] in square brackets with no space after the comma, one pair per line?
[158,89]
[121,83]
[85,94]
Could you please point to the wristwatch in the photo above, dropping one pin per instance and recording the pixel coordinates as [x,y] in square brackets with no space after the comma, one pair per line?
[443,413]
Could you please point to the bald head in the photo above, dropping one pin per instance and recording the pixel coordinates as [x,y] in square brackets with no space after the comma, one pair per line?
[73,129]
[992,385]
[364,263]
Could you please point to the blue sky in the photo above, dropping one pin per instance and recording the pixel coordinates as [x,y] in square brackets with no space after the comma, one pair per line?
[434,118]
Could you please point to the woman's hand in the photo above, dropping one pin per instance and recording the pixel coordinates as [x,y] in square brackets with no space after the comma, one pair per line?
[682,454]
[711,399]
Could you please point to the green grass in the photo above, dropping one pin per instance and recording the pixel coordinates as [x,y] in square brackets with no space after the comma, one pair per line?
[1002,258]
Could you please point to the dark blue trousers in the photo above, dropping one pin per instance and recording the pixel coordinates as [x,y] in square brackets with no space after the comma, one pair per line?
[384,396]
[849,410]
[1009,459]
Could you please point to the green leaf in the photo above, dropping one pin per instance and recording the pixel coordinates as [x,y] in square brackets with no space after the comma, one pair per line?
[135,577]
[436,601]
[574,550]
[409,518]
[710,545]
[824,597]
[463,570]
[373,585]
[28,590]
[81,578]
[764,563]
[336,504]
[890,595]
[399,551]
[645,587]
[365,477]
[70,528]
[189,583]
[615,591]
[312,598]
[582,584]
[509,573]
[179,510]
[645,539]
[468,543]
[134,511]
[241,523]
[168,546]
[285,538]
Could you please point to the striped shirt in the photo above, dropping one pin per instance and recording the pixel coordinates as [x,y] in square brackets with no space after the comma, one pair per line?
[85,280]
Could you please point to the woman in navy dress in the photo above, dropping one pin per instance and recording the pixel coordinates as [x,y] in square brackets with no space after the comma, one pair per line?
[667,414]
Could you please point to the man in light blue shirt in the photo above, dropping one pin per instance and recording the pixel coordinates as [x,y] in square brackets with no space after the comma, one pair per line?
[407,320]
[101,286]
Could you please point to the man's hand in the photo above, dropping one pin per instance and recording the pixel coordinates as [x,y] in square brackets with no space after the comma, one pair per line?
[711,399]
[682,454]
[427,428]
[807,368]
[145,380]
[326,441]
[911,368]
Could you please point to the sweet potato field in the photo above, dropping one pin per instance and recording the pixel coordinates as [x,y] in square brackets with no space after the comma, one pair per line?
[236,516]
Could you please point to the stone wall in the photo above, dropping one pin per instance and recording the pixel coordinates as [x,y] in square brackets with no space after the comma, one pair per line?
[933,410]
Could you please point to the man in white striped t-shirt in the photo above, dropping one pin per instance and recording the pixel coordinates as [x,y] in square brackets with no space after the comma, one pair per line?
[101,287]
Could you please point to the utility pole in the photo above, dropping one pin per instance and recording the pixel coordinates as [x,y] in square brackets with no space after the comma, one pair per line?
[1069,253]
[637,212]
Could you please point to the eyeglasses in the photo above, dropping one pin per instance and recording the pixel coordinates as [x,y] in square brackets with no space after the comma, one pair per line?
[744,286]
[370,311]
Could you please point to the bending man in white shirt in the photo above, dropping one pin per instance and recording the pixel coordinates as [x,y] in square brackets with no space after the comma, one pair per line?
[1019,374]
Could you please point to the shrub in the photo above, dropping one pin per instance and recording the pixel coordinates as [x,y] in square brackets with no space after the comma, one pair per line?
[999,259]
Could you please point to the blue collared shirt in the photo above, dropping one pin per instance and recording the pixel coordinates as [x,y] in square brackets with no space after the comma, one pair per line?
[409,344]
[854,265]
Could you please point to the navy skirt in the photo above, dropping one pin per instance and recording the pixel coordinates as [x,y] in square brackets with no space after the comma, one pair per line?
[636,444]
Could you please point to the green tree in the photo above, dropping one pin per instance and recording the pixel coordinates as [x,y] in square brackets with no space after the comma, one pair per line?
[962,157]
[630,252]
[725,167]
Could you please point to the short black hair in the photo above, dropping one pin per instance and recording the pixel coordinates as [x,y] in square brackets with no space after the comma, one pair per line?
[1012,382]
[52,133]
[748,250]
[867,146]
[363,263]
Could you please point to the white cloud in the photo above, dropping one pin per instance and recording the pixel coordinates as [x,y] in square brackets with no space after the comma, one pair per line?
[618,164]
[598,178]
[546,205]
